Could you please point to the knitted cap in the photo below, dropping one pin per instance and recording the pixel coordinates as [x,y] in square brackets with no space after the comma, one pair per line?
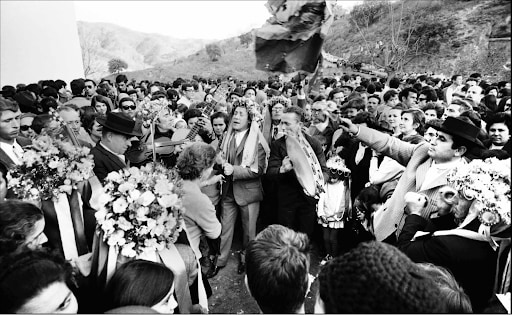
[377,278]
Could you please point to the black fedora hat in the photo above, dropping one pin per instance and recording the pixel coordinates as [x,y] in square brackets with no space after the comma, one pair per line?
[120,123]
[461,127]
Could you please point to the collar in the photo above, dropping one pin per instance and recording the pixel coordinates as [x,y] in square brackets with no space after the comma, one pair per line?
[446,165]
[239,135]
[323,125]
[120,156]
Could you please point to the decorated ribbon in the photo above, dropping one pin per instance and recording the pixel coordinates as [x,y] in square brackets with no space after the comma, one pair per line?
[318,176]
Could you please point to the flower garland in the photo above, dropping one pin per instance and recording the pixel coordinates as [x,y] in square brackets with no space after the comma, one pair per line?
[50,167]
[140,209]
[487,182]
[253,109]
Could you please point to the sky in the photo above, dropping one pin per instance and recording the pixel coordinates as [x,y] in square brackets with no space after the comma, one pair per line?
[181,19]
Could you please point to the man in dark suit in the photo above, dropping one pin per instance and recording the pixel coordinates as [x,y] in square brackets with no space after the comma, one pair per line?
[295,209]
[118,133]
[11,143]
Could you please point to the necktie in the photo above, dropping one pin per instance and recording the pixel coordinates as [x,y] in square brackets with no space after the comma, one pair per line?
[359,154]
[232,150]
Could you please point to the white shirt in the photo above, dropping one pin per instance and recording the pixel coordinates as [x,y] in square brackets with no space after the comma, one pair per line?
[436,169]
[13,151]
[321,126]
[239,136]
[120,156]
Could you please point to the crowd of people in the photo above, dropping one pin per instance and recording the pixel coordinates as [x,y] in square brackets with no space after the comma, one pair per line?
[376,175]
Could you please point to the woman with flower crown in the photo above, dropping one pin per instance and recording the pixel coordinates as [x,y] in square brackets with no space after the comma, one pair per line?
[480,200]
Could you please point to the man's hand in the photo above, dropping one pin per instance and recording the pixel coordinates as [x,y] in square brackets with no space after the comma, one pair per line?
[348,126]
[205,124]
[228,169]
[286,166]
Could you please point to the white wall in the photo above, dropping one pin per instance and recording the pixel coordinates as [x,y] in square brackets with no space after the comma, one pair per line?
[38,41]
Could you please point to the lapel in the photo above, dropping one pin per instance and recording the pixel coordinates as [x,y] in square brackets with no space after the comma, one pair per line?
[6,160]
[421,172]
[113,158]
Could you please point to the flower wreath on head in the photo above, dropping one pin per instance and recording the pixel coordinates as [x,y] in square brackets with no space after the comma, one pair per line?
[278,100]
[336,163]
[487,182]
[255,137]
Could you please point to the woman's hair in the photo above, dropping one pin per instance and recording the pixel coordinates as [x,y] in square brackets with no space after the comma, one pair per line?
[502,103]
[438,108]
[418,117]
[367,197]
[194,159]
[101,99]
[138,282]
[17,220]
[457,300]
[89,119]
[23,275]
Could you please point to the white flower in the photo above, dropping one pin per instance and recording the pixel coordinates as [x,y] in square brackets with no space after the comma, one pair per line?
[141,213]
[114,177]
[163,187]
[168,200]
[66,188]
[119,205]
[116,238]
[126,187]
[146,198]
[128,251]
[104,198]
[134,195]
[124,224]
[100,215]
[53,164]
[151,223]
[108,226]
[158,230]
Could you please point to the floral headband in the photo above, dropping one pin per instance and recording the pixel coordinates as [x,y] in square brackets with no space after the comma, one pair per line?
[336,163]
[251,106]
[487,182]
[279,100]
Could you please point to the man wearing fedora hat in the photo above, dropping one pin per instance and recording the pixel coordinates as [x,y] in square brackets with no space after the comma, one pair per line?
[118,133]
[427,165]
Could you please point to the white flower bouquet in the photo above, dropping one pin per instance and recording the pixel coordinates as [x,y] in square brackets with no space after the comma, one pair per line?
[48,168]
[140,210]
[487,182]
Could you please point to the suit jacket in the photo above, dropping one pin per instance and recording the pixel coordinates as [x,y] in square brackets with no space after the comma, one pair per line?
[6,160]
[360,171]
[245,183]
[327,133]
[105,162]
[287,183]
[416,160]
[472,262]
[51,228]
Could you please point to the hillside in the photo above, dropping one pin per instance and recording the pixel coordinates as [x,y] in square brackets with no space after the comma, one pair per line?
[101,42]
[455,36]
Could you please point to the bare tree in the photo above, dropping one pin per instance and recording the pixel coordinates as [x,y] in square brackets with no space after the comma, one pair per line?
[392,51]
[90,58]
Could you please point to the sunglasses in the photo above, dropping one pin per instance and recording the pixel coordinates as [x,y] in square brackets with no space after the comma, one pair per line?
[129,107]
[422,98]
[89,87]
[25,127]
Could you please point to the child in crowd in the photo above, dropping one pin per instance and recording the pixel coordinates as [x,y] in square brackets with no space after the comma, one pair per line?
[333,204]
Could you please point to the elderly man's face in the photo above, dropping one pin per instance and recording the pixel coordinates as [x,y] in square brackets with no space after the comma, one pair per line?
[318,112]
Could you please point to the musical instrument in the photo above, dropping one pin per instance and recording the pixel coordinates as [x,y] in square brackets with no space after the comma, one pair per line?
[305,165]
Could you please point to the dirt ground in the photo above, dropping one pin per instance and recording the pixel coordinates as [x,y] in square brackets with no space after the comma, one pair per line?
[230,296]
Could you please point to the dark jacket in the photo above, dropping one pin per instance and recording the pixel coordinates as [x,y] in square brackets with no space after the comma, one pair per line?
[105,162]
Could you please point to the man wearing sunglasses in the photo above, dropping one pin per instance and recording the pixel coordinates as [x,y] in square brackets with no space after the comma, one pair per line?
[90,88]
[127,106]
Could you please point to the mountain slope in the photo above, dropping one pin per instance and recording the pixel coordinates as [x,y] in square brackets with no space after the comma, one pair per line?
[103,41]
[460,40]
